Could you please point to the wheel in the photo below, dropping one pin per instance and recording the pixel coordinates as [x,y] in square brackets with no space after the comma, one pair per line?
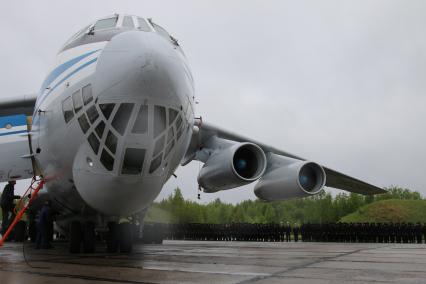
[89,237]
[126,237]
[20,231]
[113,237]
[75,237]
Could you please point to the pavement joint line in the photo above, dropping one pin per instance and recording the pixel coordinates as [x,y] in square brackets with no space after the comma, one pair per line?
[74,276]
[319,260]
[374,261]
[153,267]
[352,280]
[87,264]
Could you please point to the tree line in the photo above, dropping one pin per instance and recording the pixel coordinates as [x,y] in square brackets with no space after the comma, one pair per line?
[321,208]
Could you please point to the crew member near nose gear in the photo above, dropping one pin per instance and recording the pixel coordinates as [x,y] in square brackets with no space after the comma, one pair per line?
[43,225]
[7,205]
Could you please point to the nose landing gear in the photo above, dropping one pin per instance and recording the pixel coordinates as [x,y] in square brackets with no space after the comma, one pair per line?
[120,236]
[82,235]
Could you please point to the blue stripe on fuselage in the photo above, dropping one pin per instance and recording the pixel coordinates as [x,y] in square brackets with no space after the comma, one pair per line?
[75,71]
[14,120]
[13,132]
[62,68]
[44,96]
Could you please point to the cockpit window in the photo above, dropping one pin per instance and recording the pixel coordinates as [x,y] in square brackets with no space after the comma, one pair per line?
[105,23]
[128,22]
[159,120]
[161,31]
[133,161]
[78,34]
[143,25]
[67,109]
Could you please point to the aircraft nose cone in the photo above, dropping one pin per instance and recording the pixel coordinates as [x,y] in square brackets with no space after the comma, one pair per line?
[135,64]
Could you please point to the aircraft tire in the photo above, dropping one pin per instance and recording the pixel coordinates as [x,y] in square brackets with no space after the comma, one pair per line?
[113,237]
[75,237]
[89,237]
[126,238]
[20,231]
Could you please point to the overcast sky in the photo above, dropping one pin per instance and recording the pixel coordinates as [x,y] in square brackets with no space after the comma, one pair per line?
[339,82]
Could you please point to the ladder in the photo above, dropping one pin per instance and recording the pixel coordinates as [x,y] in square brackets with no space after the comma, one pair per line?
[25,206]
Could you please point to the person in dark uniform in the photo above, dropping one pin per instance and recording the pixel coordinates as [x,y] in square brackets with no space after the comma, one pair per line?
[43,225]
[7,205]
[287,232]
[418,232]
[296,231]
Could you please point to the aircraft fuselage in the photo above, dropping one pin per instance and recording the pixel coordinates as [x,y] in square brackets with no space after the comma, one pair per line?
[113,120]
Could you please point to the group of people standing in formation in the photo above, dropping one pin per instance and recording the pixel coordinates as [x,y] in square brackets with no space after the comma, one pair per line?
[328,232]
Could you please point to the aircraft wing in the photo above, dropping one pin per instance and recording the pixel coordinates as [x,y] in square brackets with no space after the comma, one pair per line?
[15,162]
[205,131]
[18,105]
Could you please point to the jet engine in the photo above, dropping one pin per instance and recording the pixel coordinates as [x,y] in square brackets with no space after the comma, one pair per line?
[289,178]
[231,165]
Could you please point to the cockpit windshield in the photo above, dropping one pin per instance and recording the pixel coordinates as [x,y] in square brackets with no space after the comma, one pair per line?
[162,32]
[106,23]
[106,28]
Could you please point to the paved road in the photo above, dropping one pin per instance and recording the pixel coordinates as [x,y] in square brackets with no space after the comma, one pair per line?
[220,262]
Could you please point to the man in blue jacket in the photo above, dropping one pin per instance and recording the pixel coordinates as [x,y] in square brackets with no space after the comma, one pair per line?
[43,224]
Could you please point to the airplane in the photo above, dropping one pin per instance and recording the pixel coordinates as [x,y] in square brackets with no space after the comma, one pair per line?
[113,120]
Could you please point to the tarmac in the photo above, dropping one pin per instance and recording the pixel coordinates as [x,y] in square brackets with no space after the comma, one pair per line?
[219,262]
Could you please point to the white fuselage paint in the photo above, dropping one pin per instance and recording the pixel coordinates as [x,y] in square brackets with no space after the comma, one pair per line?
[137,68]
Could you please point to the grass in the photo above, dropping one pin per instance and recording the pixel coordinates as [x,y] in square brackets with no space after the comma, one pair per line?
[391,210]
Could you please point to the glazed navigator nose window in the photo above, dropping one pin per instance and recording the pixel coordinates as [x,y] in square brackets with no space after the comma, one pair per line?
[67,109]
[141,123]
[122,117]
[159,120]
[87,94]
[106,109]
[107,160]
[78,102]
[133,161]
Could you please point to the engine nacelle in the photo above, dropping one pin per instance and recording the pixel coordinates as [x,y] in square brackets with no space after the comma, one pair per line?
[231,165]
[289,178]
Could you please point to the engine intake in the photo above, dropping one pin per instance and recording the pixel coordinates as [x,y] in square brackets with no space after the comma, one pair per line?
[232,166]
[289,178]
